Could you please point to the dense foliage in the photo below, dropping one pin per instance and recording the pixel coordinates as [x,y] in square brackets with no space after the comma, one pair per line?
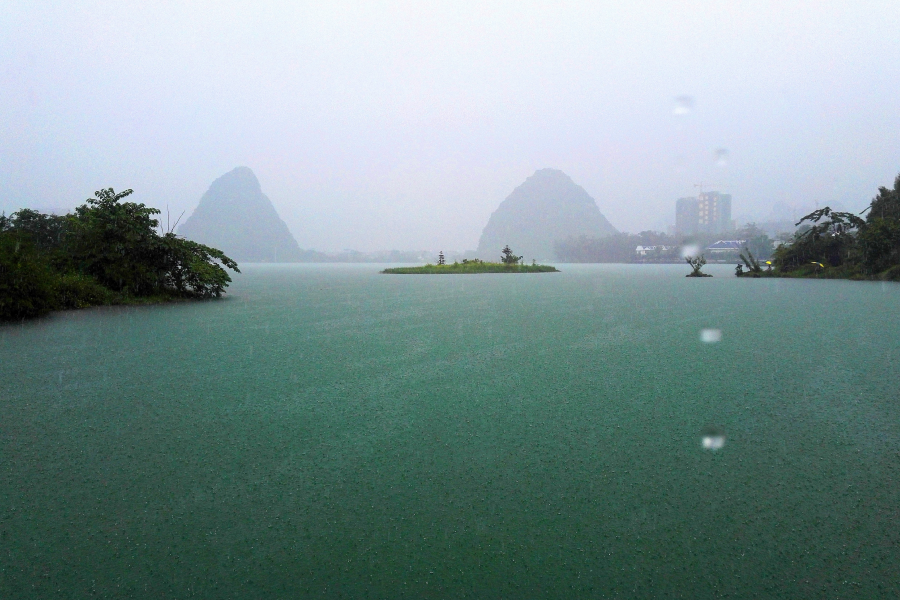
[841,244]
[508,257]
[107,251]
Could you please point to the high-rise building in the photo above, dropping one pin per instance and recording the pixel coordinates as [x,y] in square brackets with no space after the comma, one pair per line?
[709,213]
[687,214]
[714,212]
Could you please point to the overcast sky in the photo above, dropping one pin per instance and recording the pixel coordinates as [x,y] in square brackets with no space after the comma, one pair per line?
[404,125]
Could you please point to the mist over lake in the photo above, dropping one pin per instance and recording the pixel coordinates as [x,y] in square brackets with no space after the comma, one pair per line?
[328,431]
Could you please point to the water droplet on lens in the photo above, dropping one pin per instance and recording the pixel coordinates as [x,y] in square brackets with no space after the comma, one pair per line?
[722,157]
[690,250]
[712,438]
[710,336]
[683,105]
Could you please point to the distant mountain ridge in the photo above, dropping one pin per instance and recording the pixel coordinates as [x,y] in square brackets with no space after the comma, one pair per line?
[547,208]
[238,219]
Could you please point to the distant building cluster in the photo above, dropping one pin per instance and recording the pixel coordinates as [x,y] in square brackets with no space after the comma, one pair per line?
[654,250]
[725,248]
[708,213]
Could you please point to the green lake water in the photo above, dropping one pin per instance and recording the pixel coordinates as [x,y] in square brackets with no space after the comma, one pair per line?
[326,431]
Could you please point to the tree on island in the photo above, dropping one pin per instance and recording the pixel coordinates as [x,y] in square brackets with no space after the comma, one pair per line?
[696,263]
[508,258]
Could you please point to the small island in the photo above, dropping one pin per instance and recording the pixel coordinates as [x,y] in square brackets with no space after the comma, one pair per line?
[509,263]
[696,263]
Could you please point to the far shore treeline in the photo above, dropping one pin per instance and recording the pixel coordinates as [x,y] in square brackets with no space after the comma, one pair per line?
[106,252]
[664,248]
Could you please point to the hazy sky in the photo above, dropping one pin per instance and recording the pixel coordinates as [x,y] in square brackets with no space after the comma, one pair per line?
[404,125]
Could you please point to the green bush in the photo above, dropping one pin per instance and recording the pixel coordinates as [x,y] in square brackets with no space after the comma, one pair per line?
[892,274]
[194,269]
[27,282]
[76,290]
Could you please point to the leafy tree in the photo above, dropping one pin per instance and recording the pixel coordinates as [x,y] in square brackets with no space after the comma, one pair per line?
[829,237]
[880,244]
[508,258]
[26,279]
[886,205]
[194,268]
[46,232]
[880,238]
[116,242]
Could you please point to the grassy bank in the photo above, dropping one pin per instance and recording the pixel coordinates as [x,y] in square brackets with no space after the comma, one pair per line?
[470,268]
[827,272]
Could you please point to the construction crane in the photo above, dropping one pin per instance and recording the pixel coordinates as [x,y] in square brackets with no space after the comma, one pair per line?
[702,184]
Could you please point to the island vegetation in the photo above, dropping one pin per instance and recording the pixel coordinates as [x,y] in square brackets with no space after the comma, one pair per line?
[696,263]
[509,263]
[106,252]
[839,245]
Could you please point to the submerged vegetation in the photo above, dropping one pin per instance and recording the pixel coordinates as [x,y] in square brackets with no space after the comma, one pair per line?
[509,263]
[106,252]
[841,245]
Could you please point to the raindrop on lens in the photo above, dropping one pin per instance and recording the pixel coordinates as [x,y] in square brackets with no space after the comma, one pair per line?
[683,105]
[710,336]
[722,157]
[712,438]
[690,250]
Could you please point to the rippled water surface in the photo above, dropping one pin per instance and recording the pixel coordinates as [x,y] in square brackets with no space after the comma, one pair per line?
[327,431]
